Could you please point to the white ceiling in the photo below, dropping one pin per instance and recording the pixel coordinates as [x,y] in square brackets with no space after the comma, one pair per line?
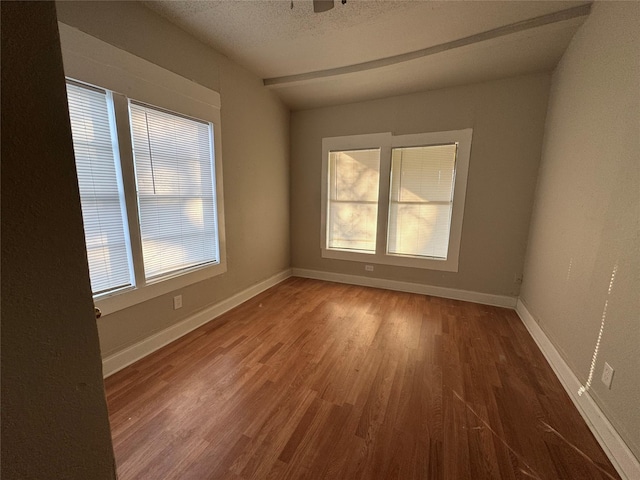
[272,40]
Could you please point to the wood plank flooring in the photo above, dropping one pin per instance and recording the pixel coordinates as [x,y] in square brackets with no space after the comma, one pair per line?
[316,380]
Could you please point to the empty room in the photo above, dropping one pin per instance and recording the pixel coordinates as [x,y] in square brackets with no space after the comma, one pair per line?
[320,239]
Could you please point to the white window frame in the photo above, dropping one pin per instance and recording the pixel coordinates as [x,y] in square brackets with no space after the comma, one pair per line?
[96,63]
[386,142]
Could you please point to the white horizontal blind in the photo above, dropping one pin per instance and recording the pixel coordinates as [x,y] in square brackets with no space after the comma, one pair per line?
[352,210]
[421,200]
[101,193]
[176,196]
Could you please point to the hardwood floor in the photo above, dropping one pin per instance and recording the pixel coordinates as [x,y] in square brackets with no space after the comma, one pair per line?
[316,380]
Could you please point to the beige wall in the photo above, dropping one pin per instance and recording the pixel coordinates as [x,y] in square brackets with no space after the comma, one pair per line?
[255,153]
[507,117]
[54,414]
[131,27]
[586,214]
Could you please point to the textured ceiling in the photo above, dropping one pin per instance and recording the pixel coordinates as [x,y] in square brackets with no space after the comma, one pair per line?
[273,40]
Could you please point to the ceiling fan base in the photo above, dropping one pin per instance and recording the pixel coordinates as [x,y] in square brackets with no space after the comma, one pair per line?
[320,6]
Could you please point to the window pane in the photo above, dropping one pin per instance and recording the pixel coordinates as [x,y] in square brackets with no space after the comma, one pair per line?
[421,200]
[101,193]
[176,196]
[353,200]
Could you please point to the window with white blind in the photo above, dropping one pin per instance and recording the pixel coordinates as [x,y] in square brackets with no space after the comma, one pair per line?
[396,200]
[148,183]
[353,199]
[176,202]
[101,191]
[421,200]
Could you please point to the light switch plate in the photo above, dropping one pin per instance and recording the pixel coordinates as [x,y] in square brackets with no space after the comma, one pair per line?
[177,302]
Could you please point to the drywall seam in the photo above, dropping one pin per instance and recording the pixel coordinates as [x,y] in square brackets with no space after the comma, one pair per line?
[616,449]
[123,358]
[468,296]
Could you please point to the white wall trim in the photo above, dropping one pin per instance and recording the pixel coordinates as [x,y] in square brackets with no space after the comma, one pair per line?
[467,296]
[119,360]
[613,445]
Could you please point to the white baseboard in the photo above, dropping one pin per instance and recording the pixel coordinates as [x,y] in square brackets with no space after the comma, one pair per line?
[129,355]
[613,445]
[468,296]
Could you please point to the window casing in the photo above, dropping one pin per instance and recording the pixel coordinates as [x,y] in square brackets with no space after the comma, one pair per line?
[96,63]
[147,184]
[414,194]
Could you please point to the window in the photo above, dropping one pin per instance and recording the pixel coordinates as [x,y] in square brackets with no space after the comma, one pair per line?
[353,199]
[147,181]
[421,200]
[396,200]
[174,172]
[101,192]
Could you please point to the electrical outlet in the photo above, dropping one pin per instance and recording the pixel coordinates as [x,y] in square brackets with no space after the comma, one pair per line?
[177,302]
[607,375]
[368,268]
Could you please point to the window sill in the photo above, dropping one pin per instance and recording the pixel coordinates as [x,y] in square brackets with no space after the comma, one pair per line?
[113,302]
[448,265]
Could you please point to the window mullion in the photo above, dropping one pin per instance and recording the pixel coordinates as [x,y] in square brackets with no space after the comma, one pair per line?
[121,109]
[383,200]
